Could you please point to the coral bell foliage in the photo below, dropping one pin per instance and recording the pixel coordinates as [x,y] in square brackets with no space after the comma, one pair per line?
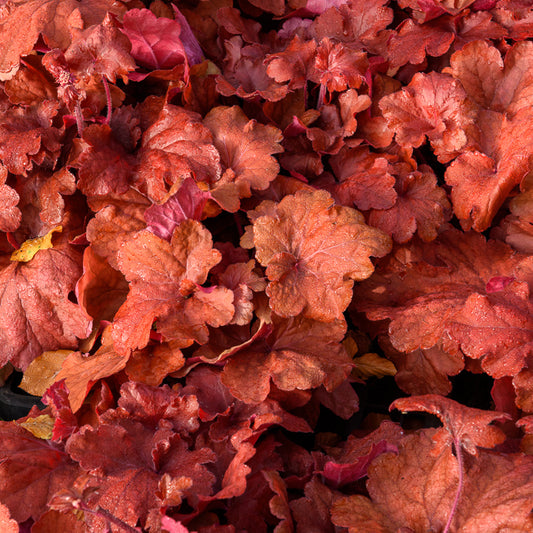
[265,266]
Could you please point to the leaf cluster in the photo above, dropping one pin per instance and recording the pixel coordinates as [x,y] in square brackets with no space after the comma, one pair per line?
[226,227]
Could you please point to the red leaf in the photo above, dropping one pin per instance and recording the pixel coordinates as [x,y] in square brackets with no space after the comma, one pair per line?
[36,314]
[187,203]
[155,41]
[31,471]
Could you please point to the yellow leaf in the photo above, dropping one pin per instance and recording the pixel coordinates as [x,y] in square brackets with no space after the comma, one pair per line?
[42,372]
[350,344]
[30,247]
[371,364]
[41,426]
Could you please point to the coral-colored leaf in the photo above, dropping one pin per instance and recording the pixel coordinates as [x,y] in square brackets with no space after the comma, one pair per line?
[80,373]
[7,524]
[414,489]
[293,63]
[246,148]
[30,247]
[313,250]
[413,42]
[454,268]
[100,50]
[165,285]
[432,105]
[467,426]
[134,454]
[421,206]
[177,146]
[48,18]
[27,137]
[365,180]
[337,67]
[10,215]
[497,327]
[298,354]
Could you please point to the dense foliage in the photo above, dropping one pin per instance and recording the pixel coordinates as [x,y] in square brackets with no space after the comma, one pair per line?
[238,239]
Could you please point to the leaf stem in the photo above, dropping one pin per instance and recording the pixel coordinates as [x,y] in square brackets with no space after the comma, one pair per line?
[459,455]
[79,119]
[106,515]
[108,100]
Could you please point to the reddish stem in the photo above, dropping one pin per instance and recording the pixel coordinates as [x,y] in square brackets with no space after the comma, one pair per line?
[459,455]
[321,96]
[106,515]
[108,100]
[79,118]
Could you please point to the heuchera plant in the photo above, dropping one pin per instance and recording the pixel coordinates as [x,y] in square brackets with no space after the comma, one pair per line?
[235,235]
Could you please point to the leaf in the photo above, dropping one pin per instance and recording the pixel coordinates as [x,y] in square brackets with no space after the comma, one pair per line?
[337,68]
[10,215]
[432,105]
[246,148]
[293,63]
[177,146]
[426,291]
[134,454]
[467,426]
[82,372]
[299,353]
[40,426]
[413,42]
[313,250]
[364,178]
[414,488]
[48,18]
[187,203]
[245,74]
[27,137]
[6,522]
[166,285]
[503,116]
[30,247]
[421,206]
[42,371]
[371,364]
[104,165]
[100,50]
[31,471]
[497,328]
[155,41]
[36,314]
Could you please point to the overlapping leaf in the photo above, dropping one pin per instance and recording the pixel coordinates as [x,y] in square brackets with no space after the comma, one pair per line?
[166,286]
